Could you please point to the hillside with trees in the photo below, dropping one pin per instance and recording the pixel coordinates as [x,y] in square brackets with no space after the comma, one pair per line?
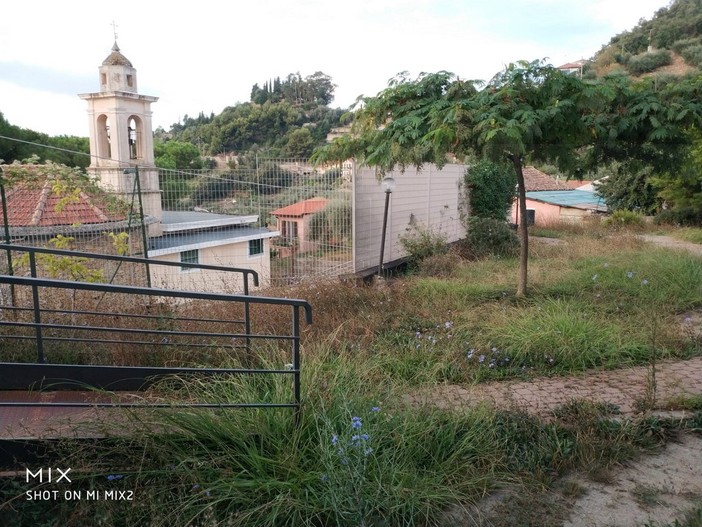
[68,150]
[284,118]
[671,42]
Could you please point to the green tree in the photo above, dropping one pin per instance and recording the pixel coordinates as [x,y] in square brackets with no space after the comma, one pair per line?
[299,144]
[629,188]
[528,109]
[177,155]
[682,189]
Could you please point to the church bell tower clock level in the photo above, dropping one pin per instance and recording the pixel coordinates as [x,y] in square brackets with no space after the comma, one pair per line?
[121,136]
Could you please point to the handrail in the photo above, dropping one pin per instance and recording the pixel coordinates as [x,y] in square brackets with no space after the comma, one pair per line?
[173,293]
[20,375]
[133,259]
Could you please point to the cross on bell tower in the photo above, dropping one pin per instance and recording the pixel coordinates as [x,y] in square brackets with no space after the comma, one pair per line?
[121,136]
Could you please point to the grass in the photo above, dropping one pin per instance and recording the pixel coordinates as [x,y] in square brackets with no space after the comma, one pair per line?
[362,455]
[366,451]
[688,234]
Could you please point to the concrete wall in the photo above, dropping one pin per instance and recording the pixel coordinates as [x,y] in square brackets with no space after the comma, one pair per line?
[548,214]
[233,255]
[430,199]
[545,213]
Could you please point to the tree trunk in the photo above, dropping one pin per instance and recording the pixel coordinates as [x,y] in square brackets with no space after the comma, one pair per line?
[523,232]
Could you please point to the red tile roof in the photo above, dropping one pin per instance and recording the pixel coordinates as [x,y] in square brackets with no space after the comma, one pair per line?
[40,205]
[535,180]
[302,208]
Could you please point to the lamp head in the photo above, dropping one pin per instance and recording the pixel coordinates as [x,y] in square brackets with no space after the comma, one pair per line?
[388,184]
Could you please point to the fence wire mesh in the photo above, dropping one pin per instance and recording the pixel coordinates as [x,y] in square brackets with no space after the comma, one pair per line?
[283,218]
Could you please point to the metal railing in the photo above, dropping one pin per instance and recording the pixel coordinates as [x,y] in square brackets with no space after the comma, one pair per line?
[41,330]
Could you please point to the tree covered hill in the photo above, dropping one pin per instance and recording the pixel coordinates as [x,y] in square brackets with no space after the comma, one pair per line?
[18,150]
[285,118]
[672,37]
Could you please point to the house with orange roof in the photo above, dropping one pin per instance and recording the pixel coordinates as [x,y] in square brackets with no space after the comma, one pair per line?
[293,223]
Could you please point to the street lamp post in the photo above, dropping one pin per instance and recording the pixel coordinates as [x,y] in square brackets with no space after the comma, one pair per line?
[388,185]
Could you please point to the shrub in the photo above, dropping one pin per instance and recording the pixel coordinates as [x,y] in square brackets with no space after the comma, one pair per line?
[440,265]
[421,243]
[488,236]
[693,55]
[490,189]
[649,61]
[685,216]
[624,218]
[332,225]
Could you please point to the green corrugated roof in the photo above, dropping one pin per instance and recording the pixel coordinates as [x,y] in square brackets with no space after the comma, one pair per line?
[570,198]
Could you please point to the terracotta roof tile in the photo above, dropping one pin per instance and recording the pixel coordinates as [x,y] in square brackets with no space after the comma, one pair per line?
[535,180]
[38,205]
[302,208]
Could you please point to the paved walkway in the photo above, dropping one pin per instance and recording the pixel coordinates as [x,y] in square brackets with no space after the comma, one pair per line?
[625,388]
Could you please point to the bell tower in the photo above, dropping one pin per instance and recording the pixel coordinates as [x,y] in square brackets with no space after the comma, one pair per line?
[121,137]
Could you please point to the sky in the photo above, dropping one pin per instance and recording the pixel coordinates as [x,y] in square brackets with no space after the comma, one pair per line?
[208,55]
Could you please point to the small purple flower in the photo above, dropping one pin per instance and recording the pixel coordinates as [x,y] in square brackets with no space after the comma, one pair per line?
[114,477]
[688,320]
[324,477]
[365,437]
[367,451]
[481,359]
[356,423]
[448,324]
[335,439]
[375,409]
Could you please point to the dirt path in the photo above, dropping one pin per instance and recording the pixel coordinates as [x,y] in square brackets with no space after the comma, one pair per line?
[672,243]
[627,389]
[652,491]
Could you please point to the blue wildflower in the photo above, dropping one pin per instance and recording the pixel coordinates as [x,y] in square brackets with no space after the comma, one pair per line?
[356,423]
[365,437]
[367,451]
[481,359]
[375,409]
[335,439]
[324,477]
[114,477]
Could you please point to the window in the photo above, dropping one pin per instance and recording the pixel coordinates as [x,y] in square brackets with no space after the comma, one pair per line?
[255,247]
[191,257]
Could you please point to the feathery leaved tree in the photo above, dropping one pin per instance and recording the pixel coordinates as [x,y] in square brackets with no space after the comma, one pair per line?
[528,110]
